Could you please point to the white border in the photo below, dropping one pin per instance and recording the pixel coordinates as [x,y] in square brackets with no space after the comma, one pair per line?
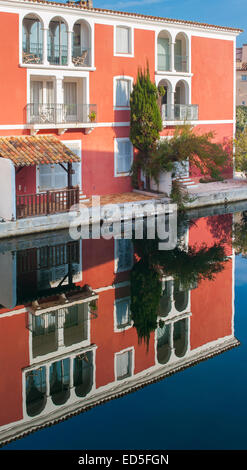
[132,48]
[132,368]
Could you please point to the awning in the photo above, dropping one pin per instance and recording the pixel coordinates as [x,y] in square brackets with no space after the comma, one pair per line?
[36,150]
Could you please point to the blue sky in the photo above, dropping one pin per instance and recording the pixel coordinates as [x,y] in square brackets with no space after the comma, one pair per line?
[221,12]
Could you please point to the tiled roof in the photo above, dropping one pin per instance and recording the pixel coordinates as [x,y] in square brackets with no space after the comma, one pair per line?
[29,150]
[81,5]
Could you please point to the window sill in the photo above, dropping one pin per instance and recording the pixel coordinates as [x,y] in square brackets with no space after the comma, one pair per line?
[117,54]
[119,175]
[121,108]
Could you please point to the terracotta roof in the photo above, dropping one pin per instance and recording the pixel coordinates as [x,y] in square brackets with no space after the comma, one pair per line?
[81,6]
[29,150]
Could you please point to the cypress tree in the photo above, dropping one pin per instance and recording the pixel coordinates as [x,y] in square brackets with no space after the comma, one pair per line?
[145,119]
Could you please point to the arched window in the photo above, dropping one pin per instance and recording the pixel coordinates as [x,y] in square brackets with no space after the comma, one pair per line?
[32,40]
[58,42]
[165,100]
[182,110]
[181,298]
[60,381]
[81,50]
[181,53]
[35,391]
[163,51]
[165,300]
[163,346]
[180,337]
[83,374]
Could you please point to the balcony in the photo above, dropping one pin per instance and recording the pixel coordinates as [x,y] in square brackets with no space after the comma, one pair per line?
[61,115]
[46,203]
[179,112]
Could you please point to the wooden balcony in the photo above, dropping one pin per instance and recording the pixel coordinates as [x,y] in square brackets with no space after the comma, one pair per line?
[46,203]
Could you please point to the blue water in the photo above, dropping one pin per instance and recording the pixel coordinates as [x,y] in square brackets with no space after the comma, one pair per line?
[203,407]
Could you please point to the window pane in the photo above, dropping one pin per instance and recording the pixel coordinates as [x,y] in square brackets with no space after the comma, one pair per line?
[123,40]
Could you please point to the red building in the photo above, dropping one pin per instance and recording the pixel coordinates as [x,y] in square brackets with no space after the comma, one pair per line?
[68,70]
[66,332]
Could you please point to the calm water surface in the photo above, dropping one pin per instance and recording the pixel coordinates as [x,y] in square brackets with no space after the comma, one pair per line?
[149,348]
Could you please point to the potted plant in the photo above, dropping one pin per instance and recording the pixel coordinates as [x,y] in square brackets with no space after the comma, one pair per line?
[92,116]
[93,307]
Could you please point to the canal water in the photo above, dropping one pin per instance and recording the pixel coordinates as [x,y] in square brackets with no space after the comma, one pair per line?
[115,344]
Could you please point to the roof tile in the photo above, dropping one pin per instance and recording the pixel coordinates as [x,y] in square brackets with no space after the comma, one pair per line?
[34,150]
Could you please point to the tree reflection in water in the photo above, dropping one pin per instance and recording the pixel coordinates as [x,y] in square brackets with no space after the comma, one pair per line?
[187,266]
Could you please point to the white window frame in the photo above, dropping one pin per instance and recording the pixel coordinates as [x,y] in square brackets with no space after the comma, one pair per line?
[131,37]
[132,368]
[121,77]
[127,326]
[121,139]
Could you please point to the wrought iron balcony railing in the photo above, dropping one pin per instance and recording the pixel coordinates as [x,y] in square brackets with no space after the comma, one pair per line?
[61,113]
[57,55]
[179,112]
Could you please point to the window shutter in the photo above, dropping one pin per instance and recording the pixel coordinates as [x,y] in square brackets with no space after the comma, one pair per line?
[49,93]
[60,177]
[123,364]
[123,156]
[122,93]
[45,177]
[122,40]
[36,92]
[122,312]
[124,254]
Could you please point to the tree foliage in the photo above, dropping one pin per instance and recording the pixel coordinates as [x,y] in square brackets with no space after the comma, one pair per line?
[241,151]
[187,267]
[145,297]
[202,152]
[241,118]
[240,234]
[145,118]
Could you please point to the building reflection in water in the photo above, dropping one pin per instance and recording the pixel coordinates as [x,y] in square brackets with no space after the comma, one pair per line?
[66,326]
